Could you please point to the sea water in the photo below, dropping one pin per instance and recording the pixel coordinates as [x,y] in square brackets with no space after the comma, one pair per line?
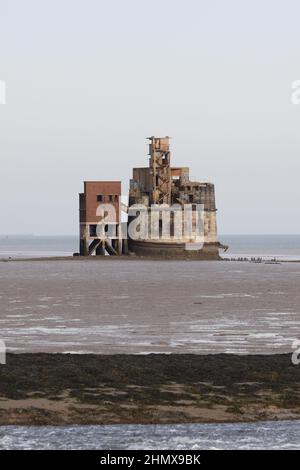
[261,435]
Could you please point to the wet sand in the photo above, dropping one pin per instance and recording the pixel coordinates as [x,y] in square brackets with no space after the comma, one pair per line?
[59,389]
[111,306]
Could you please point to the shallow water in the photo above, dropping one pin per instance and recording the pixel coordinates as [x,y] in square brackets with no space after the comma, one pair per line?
[135,306]
[264,435]
[283,247]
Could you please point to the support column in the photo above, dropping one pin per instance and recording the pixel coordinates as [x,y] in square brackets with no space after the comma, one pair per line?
[109,248]
[100,250]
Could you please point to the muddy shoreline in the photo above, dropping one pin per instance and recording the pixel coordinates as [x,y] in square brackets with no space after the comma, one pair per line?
[64,389]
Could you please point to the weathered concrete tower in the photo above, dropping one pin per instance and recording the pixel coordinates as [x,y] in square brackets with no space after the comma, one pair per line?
[161,184]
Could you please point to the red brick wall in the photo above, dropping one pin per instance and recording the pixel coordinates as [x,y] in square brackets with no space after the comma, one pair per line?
[105,188]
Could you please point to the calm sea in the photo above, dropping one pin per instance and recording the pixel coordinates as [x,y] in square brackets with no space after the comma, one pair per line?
[285,247]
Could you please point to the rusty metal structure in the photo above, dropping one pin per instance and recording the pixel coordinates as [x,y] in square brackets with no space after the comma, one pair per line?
[160,170]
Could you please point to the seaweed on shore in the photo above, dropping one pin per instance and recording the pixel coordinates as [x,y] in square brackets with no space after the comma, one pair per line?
[150,388]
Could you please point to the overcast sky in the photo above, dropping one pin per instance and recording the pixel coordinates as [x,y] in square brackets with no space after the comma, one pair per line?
[88,80]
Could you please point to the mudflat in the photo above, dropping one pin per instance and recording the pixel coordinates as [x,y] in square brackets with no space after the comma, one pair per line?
[59,389]
[125,306]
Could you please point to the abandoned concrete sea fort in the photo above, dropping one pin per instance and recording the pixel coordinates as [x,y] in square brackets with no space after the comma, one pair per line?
[158,189]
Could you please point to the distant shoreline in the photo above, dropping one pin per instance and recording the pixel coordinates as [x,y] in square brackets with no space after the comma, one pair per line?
[286,248]
[136,258]
[67,389]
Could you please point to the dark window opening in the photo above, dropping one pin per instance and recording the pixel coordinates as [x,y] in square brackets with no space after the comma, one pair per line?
[93,230]
[99,198]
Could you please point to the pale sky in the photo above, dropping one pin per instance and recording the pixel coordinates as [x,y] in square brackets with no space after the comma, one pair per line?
[88,80]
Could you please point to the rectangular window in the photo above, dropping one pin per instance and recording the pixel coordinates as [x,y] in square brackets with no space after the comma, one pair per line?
[99,198]
[93,230]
